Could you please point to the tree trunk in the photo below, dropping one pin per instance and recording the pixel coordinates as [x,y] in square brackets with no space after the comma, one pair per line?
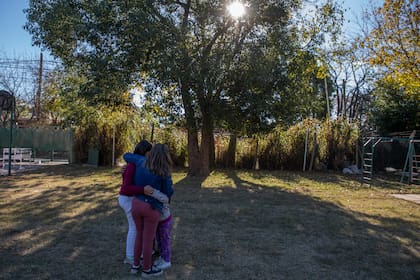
[212,155]
[194,159]
[206,141]
[152,134]
[231,152]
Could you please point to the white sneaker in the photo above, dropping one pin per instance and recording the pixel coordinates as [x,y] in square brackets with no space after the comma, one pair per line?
[128,261]
[161,264]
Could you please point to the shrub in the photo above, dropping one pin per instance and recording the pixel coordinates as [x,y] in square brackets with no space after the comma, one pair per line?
[284,148]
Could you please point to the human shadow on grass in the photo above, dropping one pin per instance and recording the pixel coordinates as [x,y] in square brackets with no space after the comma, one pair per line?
[251,231]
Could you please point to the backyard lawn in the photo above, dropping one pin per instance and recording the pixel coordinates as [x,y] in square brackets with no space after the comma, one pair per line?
[64,222]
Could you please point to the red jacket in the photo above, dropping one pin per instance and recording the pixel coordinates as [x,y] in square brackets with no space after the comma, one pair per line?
[128,188]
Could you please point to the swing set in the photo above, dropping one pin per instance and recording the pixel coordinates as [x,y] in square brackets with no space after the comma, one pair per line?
[411,170]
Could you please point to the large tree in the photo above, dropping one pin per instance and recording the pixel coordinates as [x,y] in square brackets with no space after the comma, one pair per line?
[213,46]
[392,36]
[193,44]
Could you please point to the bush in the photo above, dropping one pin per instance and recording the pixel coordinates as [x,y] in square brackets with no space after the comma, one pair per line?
[284,148]
[99,127]
[176,139]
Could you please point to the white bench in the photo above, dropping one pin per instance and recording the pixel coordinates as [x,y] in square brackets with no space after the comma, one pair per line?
[17,154]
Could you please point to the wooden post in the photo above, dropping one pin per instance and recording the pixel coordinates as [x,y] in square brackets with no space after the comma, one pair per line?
[306,149]
[152,133]
[113,145]
[314,149]
[257,163]
[326,97]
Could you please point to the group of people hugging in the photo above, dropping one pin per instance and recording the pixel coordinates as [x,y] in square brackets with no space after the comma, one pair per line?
[145,193]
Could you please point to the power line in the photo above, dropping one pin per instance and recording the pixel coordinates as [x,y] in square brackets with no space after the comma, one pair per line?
[11,67]
[8,60]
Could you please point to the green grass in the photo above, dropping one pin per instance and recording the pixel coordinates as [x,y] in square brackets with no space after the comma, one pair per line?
[64,222]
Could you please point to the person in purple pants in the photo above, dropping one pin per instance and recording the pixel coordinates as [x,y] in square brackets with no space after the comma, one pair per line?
[163,238]
[146,210]
[163,233]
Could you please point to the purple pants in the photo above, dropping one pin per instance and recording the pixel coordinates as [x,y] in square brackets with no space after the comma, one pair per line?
[146,220]
[163,238]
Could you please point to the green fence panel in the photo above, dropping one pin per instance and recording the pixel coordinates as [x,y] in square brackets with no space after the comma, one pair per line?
[93,157]
[43,141]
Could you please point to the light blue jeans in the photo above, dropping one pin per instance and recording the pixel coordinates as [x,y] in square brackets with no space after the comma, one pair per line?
[125,203]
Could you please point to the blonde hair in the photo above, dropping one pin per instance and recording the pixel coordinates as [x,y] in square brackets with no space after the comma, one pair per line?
[159,161]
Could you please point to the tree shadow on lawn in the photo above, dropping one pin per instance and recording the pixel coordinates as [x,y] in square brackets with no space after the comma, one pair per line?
[60,231]
[77,231]
[262,232]
[383,181]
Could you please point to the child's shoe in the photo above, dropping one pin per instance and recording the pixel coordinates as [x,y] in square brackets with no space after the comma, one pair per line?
[135,269]
[151,272]
[128,260]
[161,264]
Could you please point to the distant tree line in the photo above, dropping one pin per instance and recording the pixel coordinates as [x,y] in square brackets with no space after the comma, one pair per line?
[199,71]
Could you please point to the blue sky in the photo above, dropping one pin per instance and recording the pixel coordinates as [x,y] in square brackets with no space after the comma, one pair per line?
[16,42]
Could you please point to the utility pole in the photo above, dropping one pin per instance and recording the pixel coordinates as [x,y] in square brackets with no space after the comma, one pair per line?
[344,99]
[38,93]
[326,97]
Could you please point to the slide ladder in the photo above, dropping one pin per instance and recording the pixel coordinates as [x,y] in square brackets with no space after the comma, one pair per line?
[368,153]
[411,169]
[367,161]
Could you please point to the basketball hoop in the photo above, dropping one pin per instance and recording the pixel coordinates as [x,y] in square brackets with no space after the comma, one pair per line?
[6,100]
[7,103]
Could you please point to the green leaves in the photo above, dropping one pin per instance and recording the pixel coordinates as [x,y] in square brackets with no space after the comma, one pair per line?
[394,43]
[248,73]
[393,110]
[106,40]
